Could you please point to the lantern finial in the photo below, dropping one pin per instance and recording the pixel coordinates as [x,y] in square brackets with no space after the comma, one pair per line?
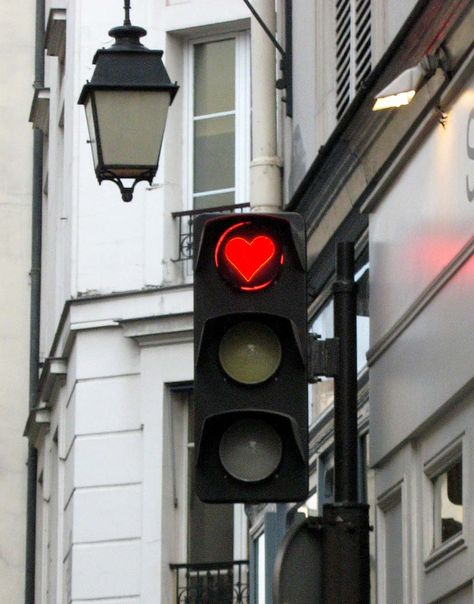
[127,13]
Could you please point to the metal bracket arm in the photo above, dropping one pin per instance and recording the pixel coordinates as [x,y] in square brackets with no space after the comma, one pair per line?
[323,358]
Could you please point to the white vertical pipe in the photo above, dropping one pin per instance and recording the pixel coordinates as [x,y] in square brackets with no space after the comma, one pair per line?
[265,167]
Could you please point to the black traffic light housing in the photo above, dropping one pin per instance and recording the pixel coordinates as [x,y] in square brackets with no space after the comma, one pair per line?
[250,351]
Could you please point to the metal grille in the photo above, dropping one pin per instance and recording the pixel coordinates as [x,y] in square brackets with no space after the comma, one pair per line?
[213,583]
[186,221]
[353,49]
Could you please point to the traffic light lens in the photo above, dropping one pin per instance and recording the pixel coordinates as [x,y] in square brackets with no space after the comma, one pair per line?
[248,257]
[250,450]
[250,352]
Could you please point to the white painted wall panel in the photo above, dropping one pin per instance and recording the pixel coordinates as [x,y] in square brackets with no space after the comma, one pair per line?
[70,423]
[105,570]
[107,513]
[69,474]
[16,146]
[108,459]
[105,353]
[388,17]
[107,405]
[425,367]
[463,596]
[424,220]
[304,137]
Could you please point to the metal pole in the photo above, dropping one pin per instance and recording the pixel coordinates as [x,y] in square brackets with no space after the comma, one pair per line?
[345,389]
[345,546]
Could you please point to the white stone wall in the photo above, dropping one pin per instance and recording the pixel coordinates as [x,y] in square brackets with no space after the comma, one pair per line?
[106,516]
[421,277]
[16,141]
[421,360]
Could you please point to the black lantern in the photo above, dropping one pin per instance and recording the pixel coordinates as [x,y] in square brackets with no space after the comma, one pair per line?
[126,106]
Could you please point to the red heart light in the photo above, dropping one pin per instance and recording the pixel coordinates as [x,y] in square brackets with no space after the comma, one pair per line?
[249,257]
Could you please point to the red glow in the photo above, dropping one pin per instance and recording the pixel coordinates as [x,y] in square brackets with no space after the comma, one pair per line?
[222,237]
[248,257]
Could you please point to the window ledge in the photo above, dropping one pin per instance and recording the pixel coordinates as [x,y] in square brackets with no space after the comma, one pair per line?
[55,36]
[450,548]
[39,114]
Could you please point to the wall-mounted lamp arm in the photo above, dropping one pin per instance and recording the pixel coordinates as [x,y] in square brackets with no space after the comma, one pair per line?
[265,29]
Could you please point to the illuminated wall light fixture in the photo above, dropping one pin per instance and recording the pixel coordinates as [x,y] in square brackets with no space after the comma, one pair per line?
[404,87]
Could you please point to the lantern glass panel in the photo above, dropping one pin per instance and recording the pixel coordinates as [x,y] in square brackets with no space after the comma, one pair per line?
[131,127]
[91,126]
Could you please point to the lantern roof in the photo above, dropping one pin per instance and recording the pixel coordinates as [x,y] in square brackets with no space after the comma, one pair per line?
[128,65]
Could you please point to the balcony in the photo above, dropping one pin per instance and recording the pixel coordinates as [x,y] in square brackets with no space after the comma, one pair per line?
[186,221]
[213,583]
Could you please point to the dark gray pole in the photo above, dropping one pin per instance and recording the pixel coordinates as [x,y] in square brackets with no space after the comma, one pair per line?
[345,388]
[345,543]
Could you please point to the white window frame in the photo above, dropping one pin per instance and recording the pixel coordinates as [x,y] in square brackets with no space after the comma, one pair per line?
[395,495]
[242,114]
[433,468]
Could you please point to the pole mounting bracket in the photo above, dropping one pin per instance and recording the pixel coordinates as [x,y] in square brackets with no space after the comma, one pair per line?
[323,357]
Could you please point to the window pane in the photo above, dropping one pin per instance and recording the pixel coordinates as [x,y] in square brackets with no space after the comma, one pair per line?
[214,77]
[448,504]
[363,321]
[213,201]
[214,154]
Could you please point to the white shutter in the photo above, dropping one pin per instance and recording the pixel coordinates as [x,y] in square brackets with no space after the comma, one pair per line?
[353,49]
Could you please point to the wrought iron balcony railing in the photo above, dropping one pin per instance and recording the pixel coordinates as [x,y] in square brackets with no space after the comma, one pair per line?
[213,583]
[186,220]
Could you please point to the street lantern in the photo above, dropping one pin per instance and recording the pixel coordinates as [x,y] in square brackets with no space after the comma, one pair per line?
[126,105]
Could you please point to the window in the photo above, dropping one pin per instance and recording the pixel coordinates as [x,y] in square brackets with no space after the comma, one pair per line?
[445,503]
[205,530]
[220,116]
[353,49]
[210,526]
[391,546]
[448,503]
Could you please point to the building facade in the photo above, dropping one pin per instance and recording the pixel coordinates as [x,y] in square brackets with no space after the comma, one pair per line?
[116,515]
[16,141]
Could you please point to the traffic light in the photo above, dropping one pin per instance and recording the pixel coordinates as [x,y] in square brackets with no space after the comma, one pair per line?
[250,331]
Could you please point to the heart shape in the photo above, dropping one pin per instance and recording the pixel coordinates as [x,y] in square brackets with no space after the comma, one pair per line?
[249,257]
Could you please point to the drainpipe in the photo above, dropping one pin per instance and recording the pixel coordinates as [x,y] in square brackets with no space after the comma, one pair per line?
[37,194]
[265,167]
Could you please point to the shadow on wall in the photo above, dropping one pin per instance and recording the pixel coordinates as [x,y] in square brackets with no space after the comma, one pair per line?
[298,162]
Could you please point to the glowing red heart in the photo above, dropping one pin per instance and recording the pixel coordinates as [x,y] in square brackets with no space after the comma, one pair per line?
[249,257]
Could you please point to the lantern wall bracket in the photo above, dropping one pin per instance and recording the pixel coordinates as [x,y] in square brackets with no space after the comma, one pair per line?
[127,192]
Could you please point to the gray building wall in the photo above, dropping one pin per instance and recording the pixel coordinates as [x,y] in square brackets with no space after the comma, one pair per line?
[16,69]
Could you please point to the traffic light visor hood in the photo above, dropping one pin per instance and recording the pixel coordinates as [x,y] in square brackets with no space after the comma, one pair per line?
[248,423]
[265,251]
